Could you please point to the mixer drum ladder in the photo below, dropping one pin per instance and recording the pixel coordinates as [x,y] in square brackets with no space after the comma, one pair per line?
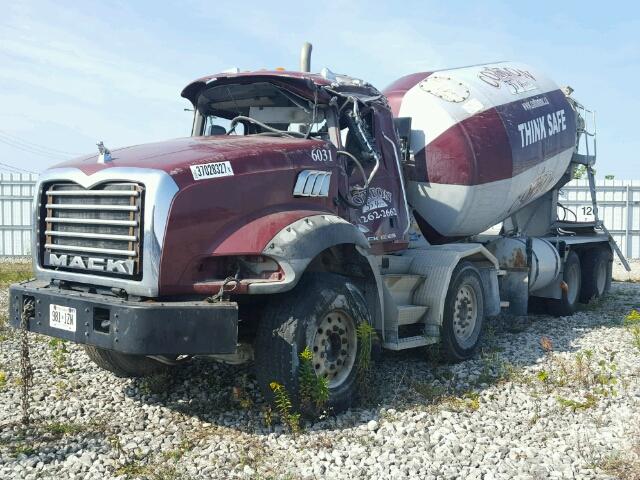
[586,143]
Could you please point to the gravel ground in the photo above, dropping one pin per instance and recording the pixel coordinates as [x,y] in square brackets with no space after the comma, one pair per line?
[621,274]
[546,398]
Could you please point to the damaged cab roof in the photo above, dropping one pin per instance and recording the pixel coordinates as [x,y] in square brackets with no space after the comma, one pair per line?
[307,85]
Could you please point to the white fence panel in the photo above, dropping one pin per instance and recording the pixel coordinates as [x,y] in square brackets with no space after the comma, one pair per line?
[16,206]
[618,204]
[618,208]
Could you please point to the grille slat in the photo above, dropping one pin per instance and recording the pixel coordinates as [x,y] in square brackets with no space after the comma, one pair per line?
[96,227]
[93,221]
[81,206]
[75,248]
[104,236]
[92,193]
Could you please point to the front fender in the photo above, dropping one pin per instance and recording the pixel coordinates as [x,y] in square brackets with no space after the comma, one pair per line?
[296,245]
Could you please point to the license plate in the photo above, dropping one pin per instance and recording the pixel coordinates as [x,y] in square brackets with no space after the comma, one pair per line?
[62,317]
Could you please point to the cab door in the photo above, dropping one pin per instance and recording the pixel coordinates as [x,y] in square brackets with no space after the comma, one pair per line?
[380,211]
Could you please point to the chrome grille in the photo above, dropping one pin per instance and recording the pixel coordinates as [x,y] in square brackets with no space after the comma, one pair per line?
[97,229]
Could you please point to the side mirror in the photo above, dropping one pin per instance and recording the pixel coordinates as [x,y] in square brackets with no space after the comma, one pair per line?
[217,130]
[403,128]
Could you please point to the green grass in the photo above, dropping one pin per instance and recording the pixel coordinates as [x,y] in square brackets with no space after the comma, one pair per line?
[635,335]
[14,272]
[156,384]
[581,371]
[58,352]
[575,405]
[441,396]
[60,429]
[22,449]
[621,466]
[431,393]
[469,401]
[4,325]
[132,469]
[632,319]
[164,468]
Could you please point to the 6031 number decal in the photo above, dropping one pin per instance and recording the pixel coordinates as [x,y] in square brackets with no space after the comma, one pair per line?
[321,155]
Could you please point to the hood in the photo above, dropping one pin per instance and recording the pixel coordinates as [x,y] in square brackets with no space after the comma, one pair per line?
[247,154]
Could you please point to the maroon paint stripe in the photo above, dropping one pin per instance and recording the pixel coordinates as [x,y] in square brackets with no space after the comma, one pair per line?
[488,146]
[471,152]
[397,90]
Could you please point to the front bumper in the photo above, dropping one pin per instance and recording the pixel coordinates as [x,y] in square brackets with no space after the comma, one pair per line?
[137,328]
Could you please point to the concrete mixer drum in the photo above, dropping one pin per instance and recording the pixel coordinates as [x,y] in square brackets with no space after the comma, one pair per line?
[487,140]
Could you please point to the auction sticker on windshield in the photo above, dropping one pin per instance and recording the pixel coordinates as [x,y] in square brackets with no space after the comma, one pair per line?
[211,170]
[62,317]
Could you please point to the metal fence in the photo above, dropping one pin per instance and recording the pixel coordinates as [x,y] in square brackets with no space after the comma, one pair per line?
[618,203]
[618,208]
[16,199]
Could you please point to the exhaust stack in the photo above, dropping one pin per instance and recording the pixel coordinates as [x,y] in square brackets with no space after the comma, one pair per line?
[305,57]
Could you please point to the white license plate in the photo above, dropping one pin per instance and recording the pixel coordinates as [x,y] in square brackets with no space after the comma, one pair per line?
[62,317]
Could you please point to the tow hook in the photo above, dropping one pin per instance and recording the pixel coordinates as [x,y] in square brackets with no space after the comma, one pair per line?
[219,297]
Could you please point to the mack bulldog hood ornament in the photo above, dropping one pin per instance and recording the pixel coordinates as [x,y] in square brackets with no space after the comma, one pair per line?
[105,153]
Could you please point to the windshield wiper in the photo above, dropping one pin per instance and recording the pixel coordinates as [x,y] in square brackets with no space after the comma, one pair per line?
[242,118]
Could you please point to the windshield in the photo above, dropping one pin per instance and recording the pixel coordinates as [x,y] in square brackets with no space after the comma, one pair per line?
[259,109]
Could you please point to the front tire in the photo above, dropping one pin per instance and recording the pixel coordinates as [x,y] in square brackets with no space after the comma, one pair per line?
[322,313]
[122,364]
[463,314]
[572,277]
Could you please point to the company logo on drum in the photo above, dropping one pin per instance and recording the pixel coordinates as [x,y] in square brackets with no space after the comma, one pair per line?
[517,80]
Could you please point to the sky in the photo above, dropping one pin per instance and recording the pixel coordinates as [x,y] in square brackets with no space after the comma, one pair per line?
[72,73]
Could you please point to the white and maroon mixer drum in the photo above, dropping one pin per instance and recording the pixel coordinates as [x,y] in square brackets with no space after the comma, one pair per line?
[487,140]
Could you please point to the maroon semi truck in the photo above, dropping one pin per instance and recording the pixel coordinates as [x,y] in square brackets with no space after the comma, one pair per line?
[305,204]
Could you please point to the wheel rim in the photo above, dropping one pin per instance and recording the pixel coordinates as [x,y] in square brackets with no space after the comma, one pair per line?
[572,277]
[334,347]
[465,314]
[601,277]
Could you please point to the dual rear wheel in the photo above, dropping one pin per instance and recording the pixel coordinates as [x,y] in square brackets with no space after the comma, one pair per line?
[586,277]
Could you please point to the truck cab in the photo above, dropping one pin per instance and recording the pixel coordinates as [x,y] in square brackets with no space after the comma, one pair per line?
[351,118]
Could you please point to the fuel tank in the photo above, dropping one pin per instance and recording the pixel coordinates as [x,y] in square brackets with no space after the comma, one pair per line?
[487,140]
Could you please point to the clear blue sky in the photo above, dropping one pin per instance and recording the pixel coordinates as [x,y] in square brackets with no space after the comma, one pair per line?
[75,72]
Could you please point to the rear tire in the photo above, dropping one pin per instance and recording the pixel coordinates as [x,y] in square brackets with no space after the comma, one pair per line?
[596,273]
[463,314]
[321,313]
[572,276]
[123,365]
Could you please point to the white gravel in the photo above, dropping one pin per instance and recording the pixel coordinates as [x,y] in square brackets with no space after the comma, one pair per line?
[420,424]
[620,273]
